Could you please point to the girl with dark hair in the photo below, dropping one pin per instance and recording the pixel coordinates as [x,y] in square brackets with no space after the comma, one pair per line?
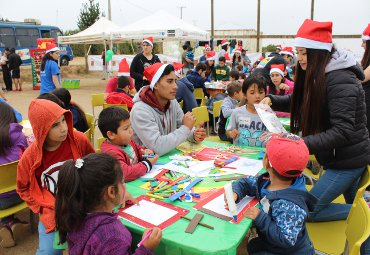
[79,118]
[49,70]
[88,190]
[365,62]
[157,119]
[328,109]
[237,58]
[12,143]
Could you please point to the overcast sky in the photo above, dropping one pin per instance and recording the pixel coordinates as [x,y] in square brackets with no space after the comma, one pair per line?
[277,16]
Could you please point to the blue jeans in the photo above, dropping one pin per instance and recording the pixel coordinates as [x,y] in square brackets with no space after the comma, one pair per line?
[332,184]
[46,242]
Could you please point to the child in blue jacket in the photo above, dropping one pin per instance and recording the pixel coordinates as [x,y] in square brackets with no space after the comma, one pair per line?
[283,197]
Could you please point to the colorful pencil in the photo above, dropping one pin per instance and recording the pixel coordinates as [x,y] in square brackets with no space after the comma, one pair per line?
[144,238]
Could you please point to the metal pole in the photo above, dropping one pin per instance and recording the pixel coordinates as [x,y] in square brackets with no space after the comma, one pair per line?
[181,7]
[258,23]
[212,23]
[109,11]
[312,8]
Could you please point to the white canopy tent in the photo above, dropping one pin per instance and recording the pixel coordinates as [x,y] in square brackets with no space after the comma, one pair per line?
[161,26]
[97,33]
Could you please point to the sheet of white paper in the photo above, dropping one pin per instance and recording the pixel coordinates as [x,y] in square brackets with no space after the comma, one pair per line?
[245,166]
[218,205]
[195,169]
[269,118]
[156,169]
[150,212]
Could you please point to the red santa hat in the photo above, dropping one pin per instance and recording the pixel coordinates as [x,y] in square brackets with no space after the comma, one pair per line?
[224,42]
[149,40]
[277,69]
[315,35]
[279,47]
[239,50]
[177,67]
[51,47]
[287,51]
[154,72]
[207,47]
[123,68]
[211,55]
[227,57]
[366,33]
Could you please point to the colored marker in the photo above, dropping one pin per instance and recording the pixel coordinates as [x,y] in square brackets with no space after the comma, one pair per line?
[183,165]
[144,238]
[230,200]
[154,196]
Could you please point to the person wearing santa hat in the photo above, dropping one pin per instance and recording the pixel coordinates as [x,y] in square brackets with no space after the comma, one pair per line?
[287,54]
[157,118]
[142,61]
[328,109]
[224,49]
[206,50]
[123,70]
[49,69]
[365,62]
[210,66]
[277,51]
[237,57]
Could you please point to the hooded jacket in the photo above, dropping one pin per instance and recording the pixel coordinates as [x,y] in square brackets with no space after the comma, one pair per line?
[185,93]
[102,233]
[156,127]
[130,172]
[42,115]
[282,229]
[344,141]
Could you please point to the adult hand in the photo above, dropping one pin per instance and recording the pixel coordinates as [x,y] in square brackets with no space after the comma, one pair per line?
[284,86]
[189,120]
[267,101]
[233,133]
[200,133]
[153,240]
[252,213]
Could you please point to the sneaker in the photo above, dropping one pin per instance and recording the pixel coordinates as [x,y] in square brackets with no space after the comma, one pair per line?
[6,237]
[18,228]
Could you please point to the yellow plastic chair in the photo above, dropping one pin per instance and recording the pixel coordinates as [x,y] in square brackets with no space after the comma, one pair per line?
[216,113]
[100,140]
[91,124]
[123,106]
[8,177]
[201,114]
[97,100]
[199,94]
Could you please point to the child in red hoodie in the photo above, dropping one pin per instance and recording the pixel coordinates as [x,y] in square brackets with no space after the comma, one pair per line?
[38,169]
[114,124]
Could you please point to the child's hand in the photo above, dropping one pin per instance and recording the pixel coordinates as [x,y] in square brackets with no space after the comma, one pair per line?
[200,133]
[234,133]
[235,198]
[129,199]
[189,120]
[252,213]
[153,240]
[153,160]
[284,86]
[146,152]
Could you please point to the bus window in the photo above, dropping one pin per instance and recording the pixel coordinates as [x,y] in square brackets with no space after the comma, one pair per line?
[7,38]
[45,34]
[55,33]
[26,37]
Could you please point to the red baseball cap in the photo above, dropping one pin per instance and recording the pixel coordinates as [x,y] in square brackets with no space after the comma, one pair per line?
[286,155]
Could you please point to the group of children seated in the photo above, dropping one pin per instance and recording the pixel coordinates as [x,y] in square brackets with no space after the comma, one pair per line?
[74,190]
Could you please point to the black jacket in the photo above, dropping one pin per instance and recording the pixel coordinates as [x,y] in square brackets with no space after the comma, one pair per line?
[137,68]
[14,61]
[344,142]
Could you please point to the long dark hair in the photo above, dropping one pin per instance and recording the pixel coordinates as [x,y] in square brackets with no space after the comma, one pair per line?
[272,88]
[309,101]
[209,69]
[64,95]
[81,190]
[7,116]
[365,62]
[47,56]
[239,59]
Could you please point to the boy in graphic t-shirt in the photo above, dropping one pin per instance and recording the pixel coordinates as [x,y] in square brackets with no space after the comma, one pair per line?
[245,126]
[114,124]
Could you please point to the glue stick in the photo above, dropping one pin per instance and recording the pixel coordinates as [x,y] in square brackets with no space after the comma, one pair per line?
[230,200]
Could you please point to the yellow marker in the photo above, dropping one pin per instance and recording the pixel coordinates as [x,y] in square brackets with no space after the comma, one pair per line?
[154,196]
[157,187]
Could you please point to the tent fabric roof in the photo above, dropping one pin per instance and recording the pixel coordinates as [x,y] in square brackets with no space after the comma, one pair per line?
[161,26]
[96,33]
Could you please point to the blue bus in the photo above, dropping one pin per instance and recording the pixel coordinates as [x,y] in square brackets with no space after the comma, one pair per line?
[23,36]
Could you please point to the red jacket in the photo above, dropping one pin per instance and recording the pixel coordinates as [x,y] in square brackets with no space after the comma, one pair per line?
[42,115]
[130,172]
[120,98]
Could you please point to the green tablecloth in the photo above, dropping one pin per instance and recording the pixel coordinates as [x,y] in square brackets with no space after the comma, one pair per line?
[224,239]
[286,123]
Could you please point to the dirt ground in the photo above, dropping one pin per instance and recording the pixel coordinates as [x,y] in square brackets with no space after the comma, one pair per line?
[90,83]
